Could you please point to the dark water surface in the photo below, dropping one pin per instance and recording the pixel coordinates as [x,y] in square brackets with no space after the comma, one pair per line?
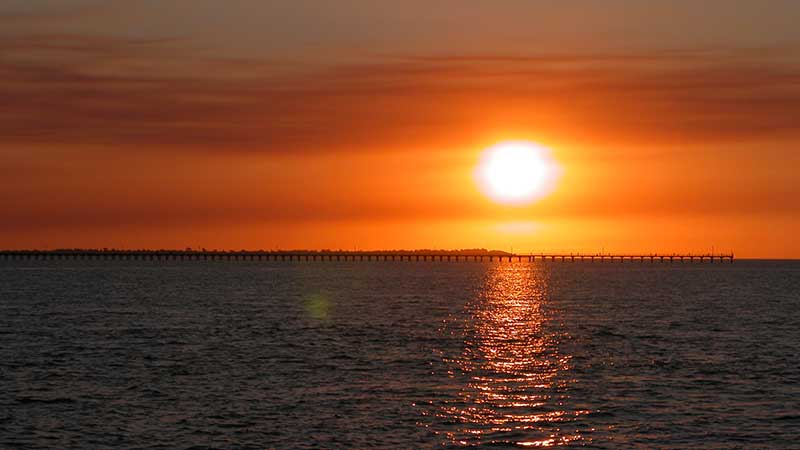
[398,355]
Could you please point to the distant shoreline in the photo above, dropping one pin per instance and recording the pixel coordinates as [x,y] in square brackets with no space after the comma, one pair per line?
[468,252]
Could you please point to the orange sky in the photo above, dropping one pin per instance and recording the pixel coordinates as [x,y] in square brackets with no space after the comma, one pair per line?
[288,125]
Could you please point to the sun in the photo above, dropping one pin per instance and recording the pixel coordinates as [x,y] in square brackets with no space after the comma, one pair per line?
[517,172]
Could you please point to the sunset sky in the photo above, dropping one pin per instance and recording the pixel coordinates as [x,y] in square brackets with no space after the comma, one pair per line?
[360,124]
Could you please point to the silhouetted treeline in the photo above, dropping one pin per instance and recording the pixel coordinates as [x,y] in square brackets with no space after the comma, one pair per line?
[462,252]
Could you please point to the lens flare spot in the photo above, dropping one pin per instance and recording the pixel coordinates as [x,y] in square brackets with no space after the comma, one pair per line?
[317,307]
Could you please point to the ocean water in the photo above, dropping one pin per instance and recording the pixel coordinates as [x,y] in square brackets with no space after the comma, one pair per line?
[249,355]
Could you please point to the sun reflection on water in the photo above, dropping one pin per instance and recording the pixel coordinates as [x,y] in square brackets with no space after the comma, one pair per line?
[515,380]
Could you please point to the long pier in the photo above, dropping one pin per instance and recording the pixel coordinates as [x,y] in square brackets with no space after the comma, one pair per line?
[192,255]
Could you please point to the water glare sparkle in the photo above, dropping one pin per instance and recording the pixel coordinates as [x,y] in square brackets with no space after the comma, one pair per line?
[515,379]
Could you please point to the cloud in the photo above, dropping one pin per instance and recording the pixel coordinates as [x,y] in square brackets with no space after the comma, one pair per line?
[76,90]
[27,11]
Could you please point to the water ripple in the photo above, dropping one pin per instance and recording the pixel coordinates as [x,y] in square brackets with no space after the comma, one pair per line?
[515,380]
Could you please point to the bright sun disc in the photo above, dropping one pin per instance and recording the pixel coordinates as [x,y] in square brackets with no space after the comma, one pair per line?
[517,172]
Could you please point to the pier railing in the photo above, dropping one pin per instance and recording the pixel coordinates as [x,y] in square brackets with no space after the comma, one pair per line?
[192,255]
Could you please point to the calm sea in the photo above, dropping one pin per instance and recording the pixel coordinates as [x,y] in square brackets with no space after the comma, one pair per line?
[247,355]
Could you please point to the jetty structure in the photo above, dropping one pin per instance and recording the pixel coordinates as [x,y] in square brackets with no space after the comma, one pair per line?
[339,255]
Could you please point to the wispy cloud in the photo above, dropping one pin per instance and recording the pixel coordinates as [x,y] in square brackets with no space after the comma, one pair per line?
[76,90]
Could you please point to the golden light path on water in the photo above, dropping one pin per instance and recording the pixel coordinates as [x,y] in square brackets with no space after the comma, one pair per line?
[516,381]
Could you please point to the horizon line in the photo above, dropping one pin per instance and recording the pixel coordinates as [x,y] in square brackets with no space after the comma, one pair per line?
[462,251]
